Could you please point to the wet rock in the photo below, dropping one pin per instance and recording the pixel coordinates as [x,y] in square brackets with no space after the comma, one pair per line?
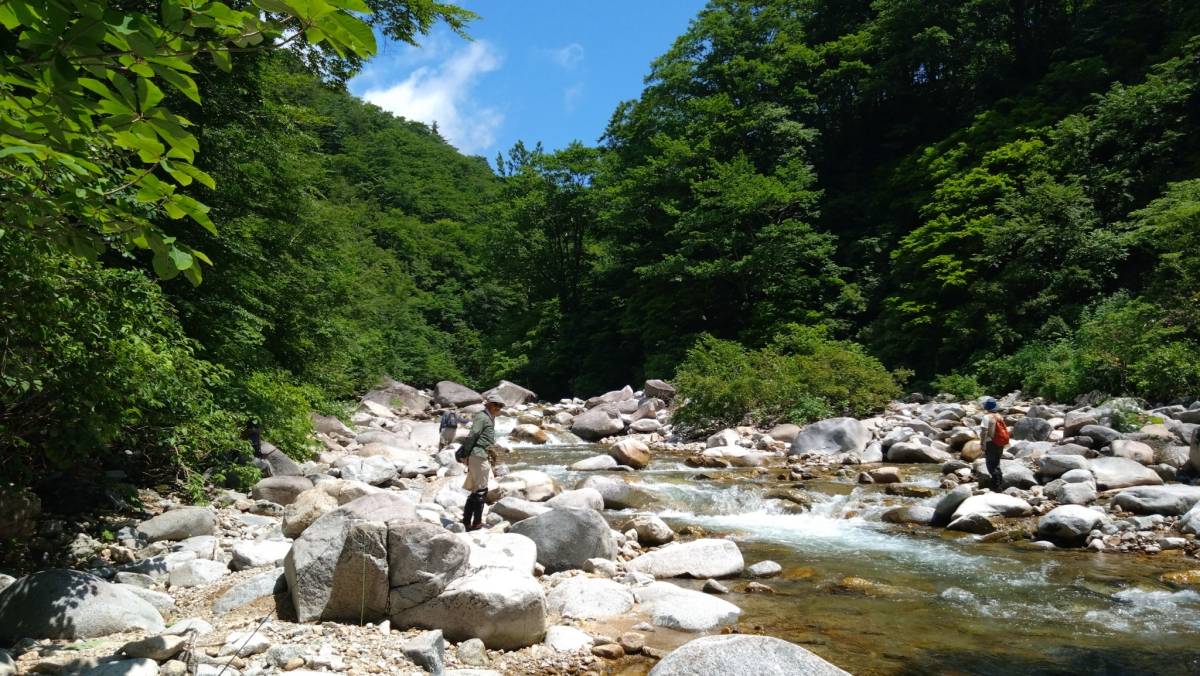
[617,493]
[711,586]
[632,642]
[588,598]
[530,484]
[834,435]
[598,422]
[449,393]
[1068,525]
[651,530]
[743,654]
[505,610]
[993,504]
[179,524]
[530,433]
[427,650]
[595,463]
[630,452]
[910,490]
[1114,473]
[69,604]
[916,514]
[673,607]
[943,513]
[566,538]
[608,651]
[1168,500]
[1182,578]
[758,588]
[699,559]
[885,475]
[975,523]
[564,639]
[764,569]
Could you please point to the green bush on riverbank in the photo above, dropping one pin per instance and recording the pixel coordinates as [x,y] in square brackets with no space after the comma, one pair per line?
[801,376]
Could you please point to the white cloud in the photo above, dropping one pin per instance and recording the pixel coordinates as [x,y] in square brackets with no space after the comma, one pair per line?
[442,93]
[569,56]
[571,96]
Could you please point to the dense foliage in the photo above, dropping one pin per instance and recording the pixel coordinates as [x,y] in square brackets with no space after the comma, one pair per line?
[800,376]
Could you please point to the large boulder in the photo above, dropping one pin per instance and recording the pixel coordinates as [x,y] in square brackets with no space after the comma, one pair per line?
[328,424]
[307,508]
[631,452]
[1054,466]
[514,509]
[907,451]
[1114,473]
[993,504]
[651,530]
[1074,421]
[1134,450]
[1100,434]
[598,422]
[274,462]
[1068,525]
[500,550]
[179,524]
[529,484]
[338,568]
[743,654]
[617,493]
[583,498]
[1032,429]
[702,558]
[375,470]
[660,389]
[681,609]
[504,609]
[610,397]
[449,393]
[943,512]
[785,432]
[1170,500]
[69,604]
[422,560]
[567,537]
[396,394]
[512,393]
[835,435]
[282,490]
[595,463]
[529,433]
[587,598]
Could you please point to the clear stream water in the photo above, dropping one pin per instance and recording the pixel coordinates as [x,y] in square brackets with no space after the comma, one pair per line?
[933,602]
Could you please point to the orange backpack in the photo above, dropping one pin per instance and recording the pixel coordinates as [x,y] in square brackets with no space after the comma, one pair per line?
[1001,437]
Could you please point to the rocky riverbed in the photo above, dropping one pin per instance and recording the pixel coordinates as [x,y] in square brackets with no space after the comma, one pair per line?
[614,546]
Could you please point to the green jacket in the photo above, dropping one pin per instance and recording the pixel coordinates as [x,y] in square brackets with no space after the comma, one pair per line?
[483,434]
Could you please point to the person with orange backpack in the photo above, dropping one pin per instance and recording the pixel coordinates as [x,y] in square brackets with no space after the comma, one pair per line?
[993,435]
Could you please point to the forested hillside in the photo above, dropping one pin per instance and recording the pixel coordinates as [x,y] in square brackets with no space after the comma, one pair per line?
[973,193]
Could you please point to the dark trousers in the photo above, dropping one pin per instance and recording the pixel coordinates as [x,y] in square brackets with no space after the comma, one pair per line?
[991,456]
[473,511]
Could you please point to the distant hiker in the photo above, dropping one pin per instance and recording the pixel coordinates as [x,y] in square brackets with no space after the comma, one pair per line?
[475,452]
[253,432]
[993,436]
[448,428]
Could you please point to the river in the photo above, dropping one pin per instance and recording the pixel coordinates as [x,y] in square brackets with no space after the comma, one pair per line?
[925,601]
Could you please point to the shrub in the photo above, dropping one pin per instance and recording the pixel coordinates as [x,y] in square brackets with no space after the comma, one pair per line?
[961,386]
[801,376]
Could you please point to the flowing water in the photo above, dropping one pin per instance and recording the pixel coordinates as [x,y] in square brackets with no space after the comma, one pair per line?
[923,601]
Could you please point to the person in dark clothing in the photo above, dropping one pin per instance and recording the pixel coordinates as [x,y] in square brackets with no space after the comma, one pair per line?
[993,435]
[448,428]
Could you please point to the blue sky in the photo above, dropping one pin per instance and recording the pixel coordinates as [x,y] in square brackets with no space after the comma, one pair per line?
[537,70]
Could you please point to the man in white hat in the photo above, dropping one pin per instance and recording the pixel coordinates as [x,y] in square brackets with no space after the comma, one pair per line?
[480,449]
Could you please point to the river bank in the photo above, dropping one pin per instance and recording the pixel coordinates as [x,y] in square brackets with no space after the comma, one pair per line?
[825,546]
